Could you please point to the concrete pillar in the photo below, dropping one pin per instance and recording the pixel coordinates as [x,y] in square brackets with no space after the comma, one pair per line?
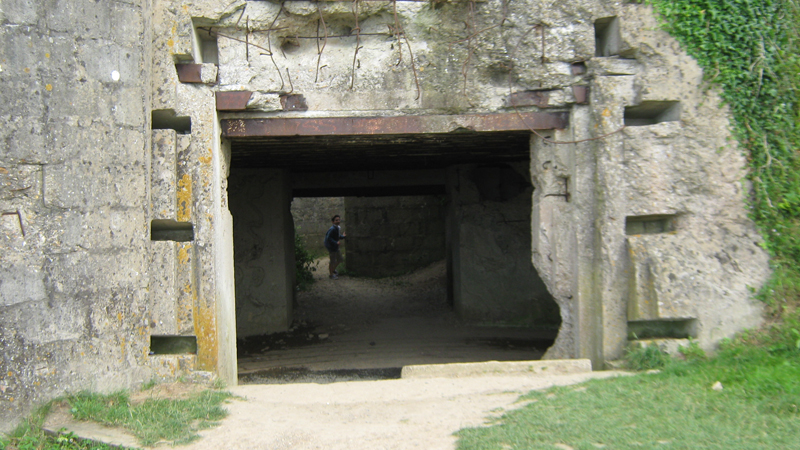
[263,236]
[563,217]
[494,281]
[225,304]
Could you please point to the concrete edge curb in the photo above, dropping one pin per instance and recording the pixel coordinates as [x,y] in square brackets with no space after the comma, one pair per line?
[90,431]
[495,368]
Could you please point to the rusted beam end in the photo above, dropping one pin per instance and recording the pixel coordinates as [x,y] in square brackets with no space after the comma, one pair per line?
[578,68]
[393,125]
[581,94]
[233,100]
[189,73]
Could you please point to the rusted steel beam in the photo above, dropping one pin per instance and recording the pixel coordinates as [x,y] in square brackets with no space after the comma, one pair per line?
[189,73]
[233,100]
[236,128]
[581,94]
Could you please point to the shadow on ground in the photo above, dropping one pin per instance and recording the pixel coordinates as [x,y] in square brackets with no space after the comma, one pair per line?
[366,329]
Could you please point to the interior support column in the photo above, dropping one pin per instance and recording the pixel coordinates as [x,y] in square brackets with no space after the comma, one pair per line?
[264,250]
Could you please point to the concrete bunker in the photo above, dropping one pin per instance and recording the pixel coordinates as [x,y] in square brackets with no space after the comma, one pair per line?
[471,190]
[640,224]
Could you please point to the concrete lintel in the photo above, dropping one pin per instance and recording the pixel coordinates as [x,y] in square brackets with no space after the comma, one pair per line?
[233,128]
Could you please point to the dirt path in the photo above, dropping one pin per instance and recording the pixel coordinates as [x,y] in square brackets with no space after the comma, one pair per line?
[369,415]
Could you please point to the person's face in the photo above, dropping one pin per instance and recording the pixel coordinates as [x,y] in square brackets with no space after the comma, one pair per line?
[337,221]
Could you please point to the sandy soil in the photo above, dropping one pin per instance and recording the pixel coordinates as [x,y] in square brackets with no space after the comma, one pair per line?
[369,415]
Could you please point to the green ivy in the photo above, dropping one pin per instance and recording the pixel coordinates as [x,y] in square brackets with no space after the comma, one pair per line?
[750,49]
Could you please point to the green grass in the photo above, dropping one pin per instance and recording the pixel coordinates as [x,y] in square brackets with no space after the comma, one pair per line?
[646,358]
[673,409]
[152,421]
[65,441]
[29,435]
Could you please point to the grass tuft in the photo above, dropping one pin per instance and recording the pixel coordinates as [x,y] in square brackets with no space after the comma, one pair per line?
[646,357]
[154,420]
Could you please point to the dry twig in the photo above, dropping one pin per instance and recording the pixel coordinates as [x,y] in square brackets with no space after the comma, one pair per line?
[358,44]
[324,42]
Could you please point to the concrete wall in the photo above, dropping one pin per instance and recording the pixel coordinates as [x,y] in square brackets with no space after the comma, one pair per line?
[394,235]
[263,235]
[312,218]
[494,281]
[74,184]
[686,169]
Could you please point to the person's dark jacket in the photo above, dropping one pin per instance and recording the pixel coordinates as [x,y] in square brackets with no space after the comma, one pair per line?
[332,238]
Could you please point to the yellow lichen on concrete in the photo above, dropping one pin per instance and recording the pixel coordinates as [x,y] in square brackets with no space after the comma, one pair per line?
[207,343]
[207,159]
[183,254]
[184,198]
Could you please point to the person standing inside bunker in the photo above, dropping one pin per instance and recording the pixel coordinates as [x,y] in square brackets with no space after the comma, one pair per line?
[332,238]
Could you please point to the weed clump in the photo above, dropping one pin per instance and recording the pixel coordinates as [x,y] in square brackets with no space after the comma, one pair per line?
[647,357]
[304,264]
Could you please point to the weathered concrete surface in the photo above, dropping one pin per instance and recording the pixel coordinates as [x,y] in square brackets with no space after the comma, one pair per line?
[393,235]
[264,242]
[498,368]
[494,281]
[74,161]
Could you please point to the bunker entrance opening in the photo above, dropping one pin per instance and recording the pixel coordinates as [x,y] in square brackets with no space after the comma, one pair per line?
[439,228]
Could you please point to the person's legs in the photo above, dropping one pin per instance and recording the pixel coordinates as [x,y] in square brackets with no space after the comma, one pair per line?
[336,259]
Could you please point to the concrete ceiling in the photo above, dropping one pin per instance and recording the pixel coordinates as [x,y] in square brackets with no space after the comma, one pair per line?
[334,153]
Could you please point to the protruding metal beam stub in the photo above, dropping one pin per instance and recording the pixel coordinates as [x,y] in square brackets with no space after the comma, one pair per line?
[233,100]
[581,94]
[189,73]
